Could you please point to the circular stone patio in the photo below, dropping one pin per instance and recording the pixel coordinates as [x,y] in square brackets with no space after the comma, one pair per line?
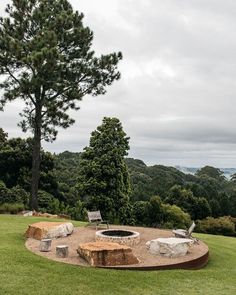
[196,258]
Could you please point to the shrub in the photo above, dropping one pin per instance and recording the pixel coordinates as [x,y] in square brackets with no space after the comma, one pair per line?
[18,195]
[126,214]
[216,226]
[78,212]
[44,200]
[154,212]
[139,212]
[11,208]
[175,217]
[3,192]
[13,195]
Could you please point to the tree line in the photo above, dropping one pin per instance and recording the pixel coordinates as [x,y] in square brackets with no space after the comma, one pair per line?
[125,190]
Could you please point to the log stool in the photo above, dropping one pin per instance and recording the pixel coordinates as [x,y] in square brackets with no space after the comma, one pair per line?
[45,245]
[62,251]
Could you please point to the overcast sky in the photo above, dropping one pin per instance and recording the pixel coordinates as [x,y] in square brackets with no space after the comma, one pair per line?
[176,97]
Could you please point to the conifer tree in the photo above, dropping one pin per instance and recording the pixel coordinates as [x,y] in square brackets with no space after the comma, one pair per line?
[47,62]
[104,181]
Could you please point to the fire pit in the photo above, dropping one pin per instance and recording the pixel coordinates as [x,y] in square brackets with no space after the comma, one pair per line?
[123,237]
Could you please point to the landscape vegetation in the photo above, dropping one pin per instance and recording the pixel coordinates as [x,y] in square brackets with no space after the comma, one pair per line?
[124,189]
[47,62]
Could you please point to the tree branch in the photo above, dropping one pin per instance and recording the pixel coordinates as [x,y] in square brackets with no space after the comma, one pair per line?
[14,78]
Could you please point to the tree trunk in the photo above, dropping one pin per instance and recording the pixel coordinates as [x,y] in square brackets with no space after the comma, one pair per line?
[45,245]
[62,251]
[36,160]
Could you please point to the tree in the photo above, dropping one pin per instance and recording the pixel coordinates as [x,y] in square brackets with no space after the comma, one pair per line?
[175,217]
[15,164]
[211,172]
[3,137]
[46,61]
[104,179]
[154,212]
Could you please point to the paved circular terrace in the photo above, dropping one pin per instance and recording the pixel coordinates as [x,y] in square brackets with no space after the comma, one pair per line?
[196,258]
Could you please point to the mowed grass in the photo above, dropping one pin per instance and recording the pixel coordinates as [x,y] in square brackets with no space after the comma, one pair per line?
[22,272]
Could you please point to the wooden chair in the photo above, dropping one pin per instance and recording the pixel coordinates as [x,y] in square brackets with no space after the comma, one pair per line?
[181,233]
[95,217]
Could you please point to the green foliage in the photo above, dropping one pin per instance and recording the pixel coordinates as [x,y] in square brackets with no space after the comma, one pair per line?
[13,195]
[66,169]
[3,137]
[183,198]
[44,199]
[211,172]
[149,181]
[78,212]
[139,212]
[217,226]
[197,207]
[11,208]
[126,214]
[3,192]
[154,212]
[103,181]
[174,217]
[202,208]
[46,59]
[15,166]
[18,195]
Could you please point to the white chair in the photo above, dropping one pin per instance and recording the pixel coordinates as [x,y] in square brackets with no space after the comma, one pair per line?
[95,217]
[181,233]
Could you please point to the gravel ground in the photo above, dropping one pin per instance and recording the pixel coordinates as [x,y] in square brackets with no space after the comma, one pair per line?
[87,234]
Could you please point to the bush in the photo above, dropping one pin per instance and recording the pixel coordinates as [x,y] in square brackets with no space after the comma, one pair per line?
[3,192]
[154,212]
[11,208]
[13,195]
[175,217]
[139,212]
[18,195]
[78,212]
[216,226]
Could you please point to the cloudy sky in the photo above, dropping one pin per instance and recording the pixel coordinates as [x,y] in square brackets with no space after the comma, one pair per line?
[176,97]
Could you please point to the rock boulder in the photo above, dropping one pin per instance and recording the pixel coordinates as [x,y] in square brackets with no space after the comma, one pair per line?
[106,254]
[170,247]
[49,230]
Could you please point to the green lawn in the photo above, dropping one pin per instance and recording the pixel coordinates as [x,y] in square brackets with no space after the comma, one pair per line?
[22,272]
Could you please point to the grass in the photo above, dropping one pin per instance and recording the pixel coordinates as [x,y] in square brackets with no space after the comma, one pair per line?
[22,272]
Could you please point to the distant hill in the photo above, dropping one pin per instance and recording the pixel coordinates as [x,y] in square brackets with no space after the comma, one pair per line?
[191,170]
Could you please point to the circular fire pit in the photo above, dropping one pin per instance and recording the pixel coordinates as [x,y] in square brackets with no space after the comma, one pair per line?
[124,237]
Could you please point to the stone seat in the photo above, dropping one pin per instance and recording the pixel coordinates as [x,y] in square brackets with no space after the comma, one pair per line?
[106,254]
[170,247]
[49,230]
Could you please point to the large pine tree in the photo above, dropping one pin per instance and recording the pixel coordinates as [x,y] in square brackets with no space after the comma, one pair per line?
[104,181]
[46,61]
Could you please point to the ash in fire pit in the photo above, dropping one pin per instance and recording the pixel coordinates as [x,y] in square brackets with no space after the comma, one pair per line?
[117,233]
[124,237]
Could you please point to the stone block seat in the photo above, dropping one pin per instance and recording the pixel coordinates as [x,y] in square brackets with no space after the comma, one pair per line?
[170,247]
[49,230]
[106,254]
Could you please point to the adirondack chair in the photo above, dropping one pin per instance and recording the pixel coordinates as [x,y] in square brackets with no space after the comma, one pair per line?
[95,217]
[181,233]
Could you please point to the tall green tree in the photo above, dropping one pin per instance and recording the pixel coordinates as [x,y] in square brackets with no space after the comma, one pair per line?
[46,60]
[212,172]
[104,179]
